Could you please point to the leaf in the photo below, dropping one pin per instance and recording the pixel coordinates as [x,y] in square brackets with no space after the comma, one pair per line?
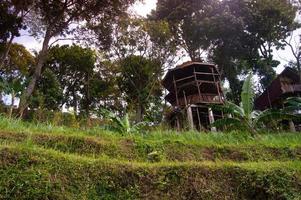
[272,114]
[229,108]
[236,110]
[247,97]
[228,122]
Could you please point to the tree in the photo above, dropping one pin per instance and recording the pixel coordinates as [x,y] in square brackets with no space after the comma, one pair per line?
[139,81]
[294,45]
[52,18]
[189,21]
[140,49]
[15,72]
[12,14]
[49,92]
[256,27]
[237,35]
[74,68]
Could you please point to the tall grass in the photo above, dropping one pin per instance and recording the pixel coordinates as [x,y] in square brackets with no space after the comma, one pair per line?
[237,138]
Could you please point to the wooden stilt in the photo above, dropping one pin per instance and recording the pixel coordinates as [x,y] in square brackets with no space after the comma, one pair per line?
[190,118]
[189,113]
[199,119]
[211,118]
[292,126]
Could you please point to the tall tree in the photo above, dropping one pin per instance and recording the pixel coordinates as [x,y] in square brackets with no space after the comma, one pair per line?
[49,92]
[16,71]
[140,81]
[136,42]
[74,68]
[189,22]
[12,14]
[51,18]
[235,34]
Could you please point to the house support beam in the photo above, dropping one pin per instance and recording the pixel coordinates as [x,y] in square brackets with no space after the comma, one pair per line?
[292,126]
[190,118]
[211,119]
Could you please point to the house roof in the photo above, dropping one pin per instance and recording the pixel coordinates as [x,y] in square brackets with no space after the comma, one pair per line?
[274,91]
[184,70]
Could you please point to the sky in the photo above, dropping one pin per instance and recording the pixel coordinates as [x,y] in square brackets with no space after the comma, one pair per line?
[142,9]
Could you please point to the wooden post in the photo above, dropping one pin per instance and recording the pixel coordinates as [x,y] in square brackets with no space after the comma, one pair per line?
[197,83]
[292,126]
[199,119]
[176,90]
[220,81]
[216,85]
[189,113]
[190,118]
[177,101]
[211,118]
[178,124]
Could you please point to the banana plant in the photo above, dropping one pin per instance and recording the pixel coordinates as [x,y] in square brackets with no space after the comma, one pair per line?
[245,117]
[121,125]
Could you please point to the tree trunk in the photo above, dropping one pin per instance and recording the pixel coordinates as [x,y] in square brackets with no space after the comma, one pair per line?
[6,52]
[10,113]
[88,98]
[74,101]
[299,69]
[31,86]
[139,113]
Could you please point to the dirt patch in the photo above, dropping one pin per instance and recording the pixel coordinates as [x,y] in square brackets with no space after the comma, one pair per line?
[213,153]
[11,136]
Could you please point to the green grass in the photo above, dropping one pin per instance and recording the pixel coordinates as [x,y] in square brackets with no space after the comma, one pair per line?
[47,162]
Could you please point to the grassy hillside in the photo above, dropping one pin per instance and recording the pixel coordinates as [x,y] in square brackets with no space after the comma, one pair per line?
[45,162]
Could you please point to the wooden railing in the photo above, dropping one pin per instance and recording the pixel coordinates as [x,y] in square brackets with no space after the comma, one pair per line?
[291,88]
[204,98]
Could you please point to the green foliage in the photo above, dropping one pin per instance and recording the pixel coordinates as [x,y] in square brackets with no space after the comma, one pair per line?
[238,35]
[121,125]
[76,76]
[244,117]
[10,22]
[50,89]
[247,97]
[140,82]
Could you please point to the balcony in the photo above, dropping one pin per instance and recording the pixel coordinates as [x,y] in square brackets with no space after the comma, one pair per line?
[291,88]
[196,99]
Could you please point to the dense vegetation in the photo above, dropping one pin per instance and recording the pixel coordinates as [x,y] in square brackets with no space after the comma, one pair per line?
[116,60]
[85,120]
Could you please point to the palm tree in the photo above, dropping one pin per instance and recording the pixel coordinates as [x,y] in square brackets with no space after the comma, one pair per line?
[244,117]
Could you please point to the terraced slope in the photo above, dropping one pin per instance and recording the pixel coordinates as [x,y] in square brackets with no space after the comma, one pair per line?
[44,162]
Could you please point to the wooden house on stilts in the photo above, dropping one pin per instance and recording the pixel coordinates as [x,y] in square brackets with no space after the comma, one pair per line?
[193,88]
[286,84]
